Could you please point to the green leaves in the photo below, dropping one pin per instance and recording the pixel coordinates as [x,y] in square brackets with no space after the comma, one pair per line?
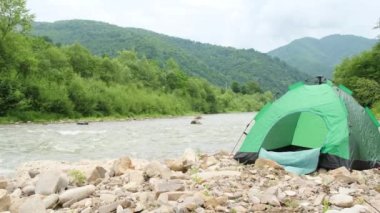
[14,17]
[361,74]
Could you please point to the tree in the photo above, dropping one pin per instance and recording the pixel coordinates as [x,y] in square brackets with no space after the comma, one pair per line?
[14,17]
[235,87]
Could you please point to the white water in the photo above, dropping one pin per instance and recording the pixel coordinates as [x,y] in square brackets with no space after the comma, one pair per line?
[148,139]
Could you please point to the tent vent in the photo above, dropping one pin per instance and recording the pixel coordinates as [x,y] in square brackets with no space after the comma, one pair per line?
[295,85]
[372,116]
[345,89]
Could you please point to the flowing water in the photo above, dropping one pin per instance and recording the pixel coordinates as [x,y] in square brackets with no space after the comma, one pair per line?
[148,139]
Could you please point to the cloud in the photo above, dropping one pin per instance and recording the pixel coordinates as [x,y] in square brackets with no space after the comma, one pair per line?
[258,24]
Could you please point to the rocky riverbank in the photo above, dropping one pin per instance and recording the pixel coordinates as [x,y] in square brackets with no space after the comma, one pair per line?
[191,183]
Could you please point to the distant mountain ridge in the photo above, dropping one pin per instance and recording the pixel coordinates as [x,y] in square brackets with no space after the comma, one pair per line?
[320,56]
[219,65]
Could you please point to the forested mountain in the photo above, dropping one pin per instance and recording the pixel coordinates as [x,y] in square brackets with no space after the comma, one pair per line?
[219,65]
[320,56]
[40,80]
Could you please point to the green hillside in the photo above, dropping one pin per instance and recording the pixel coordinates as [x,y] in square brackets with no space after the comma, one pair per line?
[320,56]
[219,65]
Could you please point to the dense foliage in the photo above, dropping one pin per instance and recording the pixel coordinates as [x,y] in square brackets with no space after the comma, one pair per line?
[40,80]
[362,74]
[219,65]
[320,56]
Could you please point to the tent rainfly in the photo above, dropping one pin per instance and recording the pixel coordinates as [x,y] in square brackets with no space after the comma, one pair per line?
[314,126]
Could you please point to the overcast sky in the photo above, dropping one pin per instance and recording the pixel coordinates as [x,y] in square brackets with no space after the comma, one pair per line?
[259,24]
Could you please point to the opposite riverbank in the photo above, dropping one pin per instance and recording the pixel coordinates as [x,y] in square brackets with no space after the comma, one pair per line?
[190,183]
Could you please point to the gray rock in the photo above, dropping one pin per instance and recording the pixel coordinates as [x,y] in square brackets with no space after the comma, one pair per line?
[16,193]
[113,206]
[5,200]
[50,182]
[98,173]
[32,205]
[176,165]
[76,194]
[342,200]
[50,201]
[121,165]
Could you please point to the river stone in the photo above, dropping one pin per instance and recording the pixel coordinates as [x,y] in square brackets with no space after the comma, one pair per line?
[98,173]
[262,163]
[134,176]
[32,205]
[342,200]
[189,157]
[50,201]
[5,200]
[28,190]
[156,169]
[76,194]
[121,165]
[50,182]
[3,183]
[33,173]
[176,165]
[107,198]
[168,186]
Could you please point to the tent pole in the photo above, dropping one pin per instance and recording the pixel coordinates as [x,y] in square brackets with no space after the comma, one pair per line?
[241,136]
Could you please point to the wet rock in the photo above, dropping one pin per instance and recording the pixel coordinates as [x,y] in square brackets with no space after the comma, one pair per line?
[32,205]
[121,165]
[50,201]
[50,182]
[98,173]
[76,194]
[342,200]
[195,121]
[5,200]
[263,163]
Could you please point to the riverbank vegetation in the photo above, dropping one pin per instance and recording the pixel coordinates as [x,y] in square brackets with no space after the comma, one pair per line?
[361,74]
[40,80]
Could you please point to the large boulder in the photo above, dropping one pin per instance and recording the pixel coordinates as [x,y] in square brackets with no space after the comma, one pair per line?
[5,200]
[51,182]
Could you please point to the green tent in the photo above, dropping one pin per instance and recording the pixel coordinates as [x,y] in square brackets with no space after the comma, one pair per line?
[322,119]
